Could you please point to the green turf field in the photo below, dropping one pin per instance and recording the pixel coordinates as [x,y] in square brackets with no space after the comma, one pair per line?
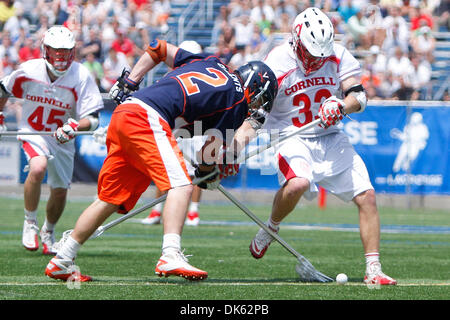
[122,261]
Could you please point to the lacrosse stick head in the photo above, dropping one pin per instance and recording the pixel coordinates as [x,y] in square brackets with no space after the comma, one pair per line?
[308,273]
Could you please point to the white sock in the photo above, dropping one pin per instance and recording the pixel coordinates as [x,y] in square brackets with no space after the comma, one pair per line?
[48,226]
[30,215]
[193,207]
[158,207]
[69,249]
[372,257]
[272,224]
[171,241]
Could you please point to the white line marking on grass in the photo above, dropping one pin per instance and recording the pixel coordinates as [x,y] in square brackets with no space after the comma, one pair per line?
[211,283]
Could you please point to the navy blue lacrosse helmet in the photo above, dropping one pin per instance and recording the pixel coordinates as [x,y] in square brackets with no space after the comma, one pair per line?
[260,88]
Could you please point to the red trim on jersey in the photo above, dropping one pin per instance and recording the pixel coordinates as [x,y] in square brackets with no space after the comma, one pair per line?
[28,148]
[281,78]
[17,89]
[285,169]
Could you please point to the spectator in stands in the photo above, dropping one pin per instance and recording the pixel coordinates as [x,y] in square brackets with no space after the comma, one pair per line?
[419,17]
[377,60]
[442,16]
[237,8]
[7,10]
[377,31]
[219,23]
[419,76]
[243,29]
[113,65]
[423,42]
[16,23]
[358,27]
[227,41]
[139,37]
[93,44]
[239,58]
[162,10]
[347,9]
[397,33]
[399,63]
[262,11]
[95,68]
[30,50]
[8,48]
[124,45]
[284,8]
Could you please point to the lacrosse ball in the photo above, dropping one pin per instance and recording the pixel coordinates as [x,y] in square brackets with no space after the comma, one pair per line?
[341,278]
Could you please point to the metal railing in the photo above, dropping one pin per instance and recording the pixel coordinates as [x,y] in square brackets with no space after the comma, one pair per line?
[203,12]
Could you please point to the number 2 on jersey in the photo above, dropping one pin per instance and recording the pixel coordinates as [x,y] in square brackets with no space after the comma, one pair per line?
[306,110]
[36,119]
[219,79]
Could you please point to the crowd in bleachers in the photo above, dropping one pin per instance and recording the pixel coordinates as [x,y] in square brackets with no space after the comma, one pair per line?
[392,38]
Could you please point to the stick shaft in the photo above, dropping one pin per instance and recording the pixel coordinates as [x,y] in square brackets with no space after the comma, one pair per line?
[259,150]
[259,222]
[40,133]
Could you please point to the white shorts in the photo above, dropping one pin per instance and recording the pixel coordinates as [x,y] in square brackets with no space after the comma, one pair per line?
[329,161]
[60,159]
[190,147]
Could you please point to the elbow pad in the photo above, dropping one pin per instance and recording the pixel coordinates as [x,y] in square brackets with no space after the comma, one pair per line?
[157,49]
[93,120]
[359,93]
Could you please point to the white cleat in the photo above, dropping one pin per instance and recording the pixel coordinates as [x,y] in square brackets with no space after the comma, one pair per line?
[48,242]
[374,276]
[174,263]
[153,218]
[192,219]
[30,239]
[261,243]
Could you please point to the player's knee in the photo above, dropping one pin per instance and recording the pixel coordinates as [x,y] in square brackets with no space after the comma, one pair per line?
[295,187]
[366,199]
[37,170]
[59,193]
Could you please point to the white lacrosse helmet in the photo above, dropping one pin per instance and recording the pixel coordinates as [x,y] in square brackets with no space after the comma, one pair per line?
[312,39]
[191,46]
[58,47]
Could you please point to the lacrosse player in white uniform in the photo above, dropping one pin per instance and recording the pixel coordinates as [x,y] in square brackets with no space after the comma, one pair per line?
[319,79]
[59,95]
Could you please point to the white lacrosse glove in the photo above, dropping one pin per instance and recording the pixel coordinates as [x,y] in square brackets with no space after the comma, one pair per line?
[100,135]
[331,111]
[203,170]
[123,87]
[67,131]
[3,127]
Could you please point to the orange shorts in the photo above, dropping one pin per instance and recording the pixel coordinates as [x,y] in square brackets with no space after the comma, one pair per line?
[141,149]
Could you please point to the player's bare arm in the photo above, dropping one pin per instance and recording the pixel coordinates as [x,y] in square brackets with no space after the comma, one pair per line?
[355,97]
[157,51]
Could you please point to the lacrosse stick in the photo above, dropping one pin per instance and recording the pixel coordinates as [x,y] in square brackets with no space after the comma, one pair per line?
[245,156]
[100,230]
[304,268]
[40,133]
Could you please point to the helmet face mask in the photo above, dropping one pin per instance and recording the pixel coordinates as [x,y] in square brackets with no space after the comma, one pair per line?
[59,60]
[58,47]
[312,39]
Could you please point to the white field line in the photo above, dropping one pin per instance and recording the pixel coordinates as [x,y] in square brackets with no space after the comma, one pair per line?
[208,283]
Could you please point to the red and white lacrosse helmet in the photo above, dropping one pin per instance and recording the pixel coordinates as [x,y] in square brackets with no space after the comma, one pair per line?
[312,39]
[58,47]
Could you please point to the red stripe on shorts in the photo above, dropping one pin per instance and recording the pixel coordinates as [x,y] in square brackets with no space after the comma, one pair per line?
[28,148]
[285,169]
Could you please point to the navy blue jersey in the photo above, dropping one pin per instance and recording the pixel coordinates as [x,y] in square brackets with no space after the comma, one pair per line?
[200,88]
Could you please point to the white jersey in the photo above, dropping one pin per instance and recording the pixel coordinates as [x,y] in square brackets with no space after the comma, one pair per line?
[48,105]
[299,96]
